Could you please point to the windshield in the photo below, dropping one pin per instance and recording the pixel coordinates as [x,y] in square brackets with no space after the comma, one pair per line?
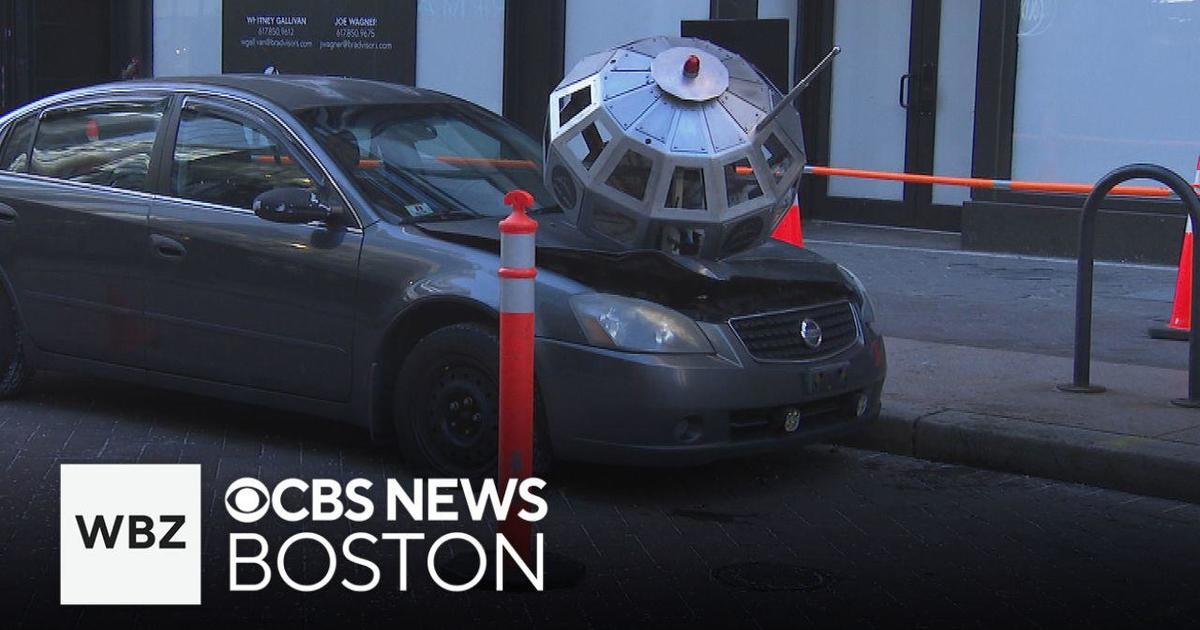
[431,161]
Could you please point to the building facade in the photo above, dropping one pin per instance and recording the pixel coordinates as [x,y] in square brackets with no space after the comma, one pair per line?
[1045,90]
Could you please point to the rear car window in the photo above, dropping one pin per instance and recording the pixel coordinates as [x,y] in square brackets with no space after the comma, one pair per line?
[105,143]
[14,157]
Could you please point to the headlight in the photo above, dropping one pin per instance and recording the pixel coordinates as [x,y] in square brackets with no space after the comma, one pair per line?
[612,321]
[866,305]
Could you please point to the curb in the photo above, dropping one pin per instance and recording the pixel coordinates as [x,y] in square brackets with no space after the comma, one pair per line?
[1139,465]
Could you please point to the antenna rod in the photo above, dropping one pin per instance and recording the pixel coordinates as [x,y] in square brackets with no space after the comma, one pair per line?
[800,87]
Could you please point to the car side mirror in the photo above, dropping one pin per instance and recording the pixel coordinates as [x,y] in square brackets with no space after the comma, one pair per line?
[291,205]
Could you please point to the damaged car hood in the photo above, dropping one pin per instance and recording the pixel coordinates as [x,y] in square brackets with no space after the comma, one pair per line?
[773,275]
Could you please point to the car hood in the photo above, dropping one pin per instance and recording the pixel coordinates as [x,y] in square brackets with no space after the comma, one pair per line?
[771,275]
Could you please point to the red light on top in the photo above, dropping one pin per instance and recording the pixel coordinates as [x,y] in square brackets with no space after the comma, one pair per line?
[691,66]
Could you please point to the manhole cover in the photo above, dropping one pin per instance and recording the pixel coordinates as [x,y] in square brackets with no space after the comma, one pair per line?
[768,576]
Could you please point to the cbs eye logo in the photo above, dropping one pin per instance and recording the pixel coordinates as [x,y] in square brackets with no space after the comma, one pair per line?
[247,500]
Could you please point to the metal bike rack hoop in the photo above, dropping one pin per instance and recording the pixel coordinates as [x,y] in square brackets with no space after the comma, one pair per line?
[1087,254]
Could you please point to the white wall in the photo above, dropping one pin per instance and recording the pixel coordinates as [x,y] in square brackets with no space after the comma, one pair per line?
[595,25]
[460,49]
[783,9]
[187,37]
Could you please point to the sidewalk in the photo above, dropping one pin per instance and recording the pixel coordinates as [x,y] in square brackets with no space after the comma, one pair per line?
[1000,410]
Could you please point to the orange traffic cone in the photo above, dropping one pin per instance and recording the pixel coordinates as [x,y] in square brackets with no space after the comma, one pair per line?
[1180,324]
[789,229]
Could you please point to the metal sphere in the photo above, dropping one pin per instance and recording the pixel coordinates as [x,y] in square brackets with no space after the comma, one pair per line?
[655,145]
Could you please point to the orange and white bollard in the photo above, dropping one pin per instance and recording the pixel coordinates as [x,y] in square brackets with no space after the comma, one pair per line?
[517,274]
[1180,324]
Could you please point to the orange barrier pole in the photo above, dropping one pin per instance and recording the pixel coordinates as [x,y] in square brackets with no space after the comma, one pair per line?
[977,182]
[458,160]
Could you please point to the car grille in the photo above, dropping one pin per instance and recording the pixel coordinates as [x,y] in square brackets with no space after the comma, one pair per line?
[776,336]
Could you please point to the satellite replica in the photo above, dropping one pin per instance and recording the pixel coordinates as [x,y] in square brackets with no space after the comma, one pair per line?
[674,144]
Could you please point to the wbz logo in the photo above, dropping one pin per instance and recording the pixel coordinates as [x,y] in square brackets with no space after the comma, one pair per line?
[141,531]
[130,534]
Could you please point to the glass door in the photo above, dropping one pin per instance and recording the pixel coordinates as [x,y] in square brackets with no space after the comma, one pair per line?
[902,99]
[867,120]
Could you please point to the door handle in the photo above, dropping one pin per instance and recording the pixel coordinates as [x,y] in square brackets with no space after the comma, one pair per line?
[903,98]
[167,247]
[7,213]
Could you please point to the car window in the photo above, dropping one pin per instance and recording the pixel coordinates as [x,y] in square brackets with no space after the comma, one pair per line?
[430,161]
[105,143]
[451,136]
[223,159]
[15,155]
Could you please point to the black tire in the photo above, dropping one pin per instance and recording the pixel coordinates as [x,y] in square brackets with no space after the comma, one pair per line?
[14,370]
[446,406]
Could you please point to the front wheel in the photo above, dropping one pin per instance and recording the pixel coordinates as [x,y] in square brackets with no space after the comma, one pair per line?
[447,403]
[14,371]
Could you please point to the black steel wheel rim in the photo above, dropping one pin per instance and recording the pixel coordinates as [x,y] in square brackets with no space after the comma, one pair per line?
[459,429]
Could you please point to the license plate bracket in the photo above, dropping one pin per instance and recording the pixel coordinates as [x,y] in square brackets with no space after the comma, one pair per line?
[828,378]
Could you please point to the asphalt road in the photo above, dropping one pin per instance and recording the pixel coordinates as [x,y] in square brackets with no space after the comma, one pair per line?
[928,293]
[834,536]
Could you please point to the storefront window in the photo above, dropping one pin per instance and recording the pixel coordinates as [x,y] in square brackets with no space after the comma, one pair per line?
[954,129]
[187,37]
[1104,83]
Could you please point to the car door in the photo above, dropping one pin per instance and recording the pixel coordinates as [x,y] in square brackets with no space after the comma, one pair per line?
[75,201]
[235,298]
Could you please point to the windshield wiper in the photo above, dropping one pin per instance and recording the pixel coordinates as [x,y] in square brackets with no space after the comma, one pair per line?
[445,214]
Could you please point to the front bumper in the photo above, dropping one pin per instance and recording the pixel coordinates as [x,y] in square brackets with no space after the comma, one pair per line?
[645,409]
